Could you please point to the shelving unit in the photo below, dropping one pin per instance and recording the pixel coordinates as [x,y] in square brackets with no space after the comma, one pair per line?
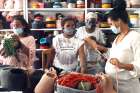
[51,11]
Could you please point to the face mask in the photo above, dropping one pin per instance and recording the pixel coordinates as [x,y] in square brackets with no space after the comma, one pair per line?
[69,31]
[18,31]
[90,24]
[115,30]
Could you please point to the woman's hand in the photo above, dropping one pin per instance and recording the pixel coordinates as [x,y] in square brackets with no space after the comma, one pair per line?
[2,52]
[17,43]
[51,73]
[115,61]
[16,37]
[83,69]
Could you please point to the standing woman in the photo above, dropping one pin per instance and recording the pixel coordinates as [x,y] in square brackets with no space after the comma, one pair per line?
[24,44]
[124,58]
[67,48]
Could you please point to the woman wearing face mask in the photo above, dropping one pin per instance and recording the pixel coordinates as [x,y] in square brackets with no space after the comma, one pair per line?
[123,64]
[26,49]
[67,48]
[94,40]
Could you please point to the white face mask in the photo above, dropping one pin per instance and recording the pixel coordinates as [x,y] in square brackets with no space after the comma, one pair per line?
[69,31]
[115,30]
[18,31]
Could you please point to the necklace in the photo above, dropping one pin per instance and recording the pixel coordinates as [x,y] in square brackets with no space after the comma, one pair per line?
[121,37]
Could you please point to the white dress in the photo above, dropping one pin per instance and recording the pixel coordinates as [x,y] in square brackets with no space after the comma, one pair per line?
[127,51]
[66,50]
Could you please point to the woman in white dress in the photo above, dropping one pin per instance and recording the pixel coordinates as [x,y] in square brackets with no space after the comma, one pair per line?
[67,48]
[123,64]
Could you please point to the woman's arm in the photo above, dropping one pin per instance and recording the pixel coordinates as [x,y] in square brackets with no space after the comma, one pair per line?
[95,45]
[82,59]
[32,50]
[50,56]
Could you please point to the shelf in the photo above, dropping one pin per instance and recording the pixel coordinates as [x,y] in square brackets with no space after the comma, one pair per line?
[47,29]
[110,28]
[5,30]
[11,10]
[41,49]
[135,28]
[107,9]
[99,9]
[58,9]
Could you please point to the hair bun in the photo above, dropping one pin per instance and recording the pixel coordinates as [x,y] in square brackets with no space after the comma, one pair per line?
[119,5]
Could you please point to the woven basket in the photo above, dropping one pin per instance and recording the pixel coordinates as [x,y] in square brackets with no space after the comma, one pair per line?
[63,89]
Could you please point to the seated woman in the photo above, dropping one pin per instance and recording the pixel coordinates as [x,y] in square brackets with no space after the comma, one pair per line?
[66,49]
[24,45]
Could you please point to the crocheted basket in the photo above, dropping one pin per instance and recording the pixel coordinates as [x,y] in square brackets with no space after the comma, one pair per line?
[63,86]
[63,89]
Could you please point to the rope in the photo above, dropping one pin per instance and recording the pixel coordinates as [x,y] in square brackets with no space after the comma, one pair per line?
[117,81]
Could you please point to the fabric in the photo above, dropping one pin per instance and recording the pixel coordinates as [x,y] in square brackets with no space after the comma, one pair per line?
[91,54]
[66,52]
[127,51]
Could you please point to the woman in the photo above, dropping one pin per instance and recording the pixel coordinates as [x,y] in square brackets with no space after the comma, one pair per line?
[27,48]
[67,48]
[94,39]
[123,64]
